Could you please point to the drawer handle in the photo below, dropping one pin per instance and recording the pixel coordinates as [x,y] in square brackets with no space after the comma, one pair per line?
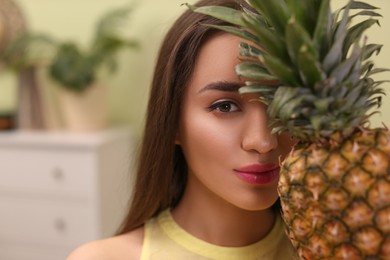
[60,225]
[58,174]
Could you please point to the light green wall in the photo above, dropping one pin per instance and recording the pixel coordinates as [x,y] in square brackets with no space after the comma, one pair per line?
[74,20]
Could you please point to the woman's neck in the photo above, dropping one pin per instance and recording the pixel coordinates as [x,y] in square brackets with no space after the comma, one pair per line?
[221,223]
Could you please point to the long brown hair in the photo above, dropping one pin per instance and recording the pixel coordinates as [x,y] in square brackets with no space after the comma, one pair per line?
[162,169]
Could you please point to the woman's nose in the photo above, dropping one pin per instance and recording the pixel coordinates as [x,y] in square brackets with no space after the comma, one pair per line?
[256,133]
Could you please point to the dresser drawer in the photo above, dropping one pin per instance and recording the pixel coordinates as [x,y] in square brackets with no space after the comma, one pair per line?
[61,172]
[50,223]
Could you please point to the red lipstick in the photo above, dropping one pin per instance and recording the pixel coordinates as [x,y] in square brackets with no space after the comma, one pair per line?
[258,173]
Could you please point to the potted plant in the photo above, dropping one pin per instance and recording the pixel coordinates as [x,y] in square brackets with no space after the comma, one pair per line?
[77,71]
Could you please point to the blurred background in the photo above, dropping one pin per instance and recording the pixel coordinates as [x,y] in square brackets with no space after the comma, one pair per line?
[75,21]
[66,172]
[65,175]
[127,88]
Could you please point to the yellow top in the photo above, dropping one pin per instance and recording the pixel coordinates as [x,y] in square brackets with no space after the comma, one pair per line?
[164,239]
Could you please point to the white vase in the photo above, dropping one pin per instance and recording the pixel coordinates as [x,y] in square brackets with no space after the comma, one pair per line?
[85,111]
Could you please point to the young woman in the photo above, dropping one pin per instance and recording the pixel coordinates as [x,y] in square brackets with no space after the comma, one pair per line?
[208,167]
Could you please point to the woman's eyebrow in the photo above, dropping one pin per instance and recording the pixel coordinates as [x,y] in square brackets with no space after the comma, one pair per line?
[221,86]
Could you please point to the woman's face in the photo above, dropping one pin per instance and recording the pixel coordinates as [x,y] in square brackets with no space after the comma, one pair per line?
[232,156]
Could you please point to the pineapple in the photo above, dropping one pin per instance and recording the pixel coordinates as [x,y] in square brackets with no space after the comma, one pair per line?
[335,184]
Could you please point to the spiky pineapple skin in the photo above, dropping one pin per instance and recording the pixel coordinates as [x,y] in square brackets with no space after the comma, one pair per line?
[335,197]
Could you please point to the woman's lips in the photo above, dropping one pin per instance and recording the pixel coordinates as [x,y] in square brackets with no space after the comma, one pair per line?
[258,173]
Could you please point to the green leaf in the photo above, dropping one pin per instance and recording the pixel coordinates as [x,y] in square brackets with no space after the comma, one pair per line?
[298,10]
[366,13]
[306,12]
[242,33]
[281,106]
[289,109]
[309,68]
[322,25]
[316,121]
[362,5]
[367,67]
[255,17]
[268,39]
[335,54]
[266,91]
[370,49]
[355,32]
[253,87]
[377,70]
[296,37]
[250,51]
[223,13]
[277,129]
[72,68]
[254,71]
[354,95]
[276,12]
[322,105]
[342,70]
[281,71]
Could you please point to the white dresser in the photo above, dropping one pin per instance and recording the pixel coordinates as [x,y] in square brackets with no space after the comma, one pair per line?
[59,190]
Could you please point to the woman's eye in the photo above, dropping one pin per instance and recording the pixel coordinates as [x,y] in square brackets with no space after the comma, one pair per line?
[224,107]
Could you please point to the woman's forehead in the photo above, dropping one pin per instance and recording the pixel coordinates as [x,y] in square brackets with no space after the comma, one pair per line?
[216,61]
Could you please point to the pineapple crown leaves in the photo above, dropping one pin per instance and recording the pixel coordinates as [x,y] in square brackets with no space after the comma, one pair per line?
[320,59]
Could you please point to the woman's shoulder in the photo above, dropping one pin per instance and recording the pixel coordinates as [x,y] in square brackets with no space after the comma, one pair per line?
[126,246]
